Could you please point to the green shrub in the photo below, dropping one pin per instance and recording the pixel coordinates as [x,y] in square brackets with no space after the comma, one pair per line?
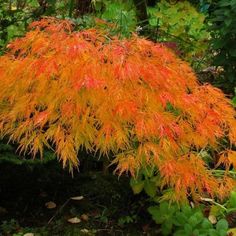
[183,24]
[13,22]
[120,14]
[223,41]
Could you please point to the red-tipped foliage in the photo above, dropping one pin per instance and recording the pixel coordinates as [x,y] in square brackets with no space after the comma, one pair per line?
[129,97]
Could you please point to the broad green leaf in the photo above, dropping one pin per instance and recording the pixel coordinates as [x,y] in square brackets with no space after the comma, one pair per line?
[156,214]
[136,185]
[166,228]
[188,229]
[206,224]
[222,225]
[150,188]
[193,221]
[180,233]
[180,219]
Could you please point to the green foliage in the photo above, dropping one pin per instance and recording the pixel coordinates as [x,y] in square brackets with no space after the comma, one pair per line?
[147,180]
[9,227]
[85,22]
[12,227]
[183,24]
[182,220]
[15,15]
[60,8]
[234,98]
[234,101]
[120,14]
[13,20]
[185,221]
[163,214]
[127,219]
[231,204]
[204,6]
[224,38]
[8,154]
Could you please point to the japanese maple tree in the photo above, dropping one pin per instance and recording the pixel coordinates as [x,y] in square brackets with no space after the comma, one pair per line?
[134,98]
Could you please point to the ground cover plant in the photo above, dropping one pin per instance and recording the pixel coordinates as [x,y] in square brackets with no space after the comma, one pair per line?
[186,220]
[67,90]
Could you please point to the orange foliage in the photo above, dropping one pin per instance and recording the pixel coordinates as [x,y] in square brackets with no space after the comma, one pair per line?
[131,97]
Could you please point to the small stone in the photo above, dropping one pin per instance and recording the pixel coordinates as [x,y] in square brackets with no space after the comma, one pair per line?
[28,234]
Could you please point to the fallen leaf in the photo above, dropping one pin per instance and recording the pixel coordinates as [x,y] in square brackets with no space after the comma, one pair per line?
[85,231]
[50,205]
[74,220]
[78,198]
[212,219]
[84,217]
[145,227]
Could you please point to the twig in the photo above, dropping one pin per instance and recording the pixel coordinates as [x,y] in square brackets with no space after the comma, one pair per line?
[212,201]
[58,211]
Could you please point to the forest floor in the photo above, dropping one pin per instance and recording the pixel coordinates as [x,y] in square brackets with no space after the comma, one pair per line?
[38,199]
